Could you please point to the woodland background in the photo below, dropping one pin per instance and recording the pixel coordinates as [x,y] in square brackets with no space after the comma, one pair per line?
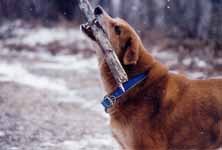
[178,18]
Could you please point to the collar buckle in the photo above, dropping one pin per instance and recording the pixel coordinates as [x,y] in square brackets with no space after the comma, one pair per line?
[109,101]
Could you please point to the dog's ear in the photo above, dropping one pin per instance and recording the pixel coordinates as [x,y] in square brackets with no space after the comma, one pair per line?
[131,54]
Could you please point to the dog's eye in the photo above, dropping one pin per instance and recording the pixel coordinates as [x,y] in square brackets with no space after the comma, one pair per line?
[117,30]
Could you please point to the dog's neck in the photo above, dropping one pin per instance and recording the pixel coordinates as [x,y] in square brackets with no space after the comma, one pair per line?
[145,63]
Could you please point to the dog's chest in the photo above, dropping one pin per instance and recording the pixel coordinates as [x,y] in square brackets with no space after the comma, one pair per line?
[123,134]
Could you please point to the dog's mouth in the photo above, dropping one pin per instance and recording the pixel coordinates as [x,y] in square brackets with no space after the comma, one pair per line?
[87,30]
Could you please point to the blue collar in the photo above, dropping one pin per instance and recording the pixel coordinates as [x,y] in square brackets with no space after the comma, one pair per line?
[111,99]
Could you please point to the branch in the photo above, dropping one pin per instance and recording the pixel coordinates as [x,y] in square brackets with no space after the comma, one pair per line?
[111,58]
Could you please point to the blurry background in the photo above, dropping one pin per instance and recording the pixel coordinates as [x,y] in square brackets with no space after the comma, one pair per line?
[50,90]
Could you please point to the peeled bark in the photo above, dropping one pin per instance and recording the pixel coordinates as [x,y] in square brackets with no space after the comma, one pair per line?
[111,58]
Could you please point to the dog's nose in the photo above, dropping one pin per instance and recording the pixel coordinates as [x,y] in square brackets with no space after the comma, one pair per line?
[98,11]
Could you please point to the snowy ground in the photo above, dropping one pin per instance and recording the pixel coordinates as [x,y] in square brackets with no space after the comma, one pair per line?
[48,103]
[52,102]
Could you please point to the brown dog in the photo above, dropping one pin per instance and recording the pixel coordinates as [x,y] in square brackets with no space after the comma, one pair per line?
[165,111]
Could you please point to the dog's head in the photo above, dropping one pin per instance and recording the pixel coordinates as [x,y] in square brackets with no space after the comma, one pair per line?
[122,36]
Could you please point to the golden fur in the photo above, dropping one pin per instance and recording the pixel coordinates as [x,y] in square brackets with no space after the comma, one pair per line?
[166,111]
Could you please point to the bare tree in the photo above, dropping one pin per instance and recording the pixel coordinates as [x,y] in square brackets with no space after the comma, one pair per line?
[215,29]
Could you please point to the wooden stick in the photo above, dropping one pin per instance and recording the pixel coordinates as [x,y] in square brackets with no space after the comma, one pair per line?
[101,37]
